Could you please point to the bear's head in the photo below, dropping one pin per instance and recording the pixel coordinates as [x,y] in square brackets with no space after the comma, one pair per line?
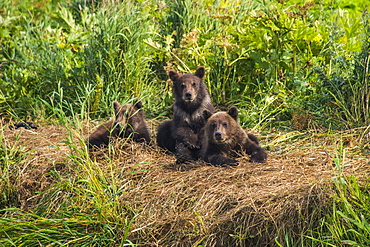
[188,87]
[129,117]
[221,127]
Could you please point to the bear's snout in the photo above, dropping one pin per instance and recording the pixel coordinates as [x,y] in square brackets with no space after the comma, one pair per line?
[218,136]
[188,96]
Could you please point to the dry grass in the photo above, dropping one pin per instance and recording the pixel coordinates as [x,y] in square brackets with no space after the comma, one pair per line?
[187,205]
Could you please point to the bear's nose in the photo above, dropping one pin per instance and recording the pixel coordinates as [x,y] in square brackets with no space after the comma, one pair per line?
[188,95]
[218,135]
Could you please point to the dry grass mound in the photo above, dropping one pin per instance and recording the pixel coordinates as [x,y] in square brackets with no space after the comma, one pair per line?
[193,204]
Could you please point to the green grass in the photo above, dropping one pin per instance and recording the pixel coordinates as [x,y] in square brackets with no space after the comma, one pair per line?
[20,228]
[346,221]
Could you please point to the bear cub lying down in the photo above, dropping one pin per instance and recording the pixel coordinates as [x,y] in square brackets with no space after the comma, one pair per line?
[129,122]
[223,137]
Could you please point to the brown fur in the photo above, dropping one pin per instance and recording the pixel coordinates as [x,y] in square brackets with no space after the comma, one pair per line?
[223,137]
[129,122]
[180,135]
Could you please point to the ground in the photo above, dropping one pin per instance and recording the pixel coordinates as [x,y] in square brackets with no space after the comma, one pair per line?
[198,203]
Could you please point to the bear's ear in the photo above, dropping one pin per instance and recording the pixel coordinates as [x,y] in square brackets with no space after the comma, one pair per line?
[233,112]
[138,104]
[173,75]
[200,72]
[117,107]
[206,114]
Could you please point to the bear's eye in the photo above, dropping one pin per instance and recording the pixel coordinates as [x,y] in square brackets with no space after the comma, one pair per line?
[194,84]
[182,85]
[213,125]
[224,124]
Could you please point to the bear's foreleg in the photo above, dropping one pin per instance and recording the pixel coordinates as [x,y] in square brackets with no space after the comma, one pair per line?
[220,160]
[184,154]
[186,136]
[255,151]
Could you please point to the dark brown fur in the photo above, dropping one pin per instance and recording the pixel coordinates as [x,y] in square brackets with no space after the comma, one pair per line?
[129,122]
[223,137]
[180,135]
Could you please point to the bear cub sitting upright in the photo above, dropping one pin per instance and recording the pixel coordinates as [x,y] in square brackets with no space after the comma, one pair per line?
[129,122]
[223,137]
[180,135]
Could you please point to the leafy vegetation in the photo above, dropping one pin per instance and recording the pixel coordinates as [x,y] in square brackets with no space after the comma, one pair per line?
[285,64]
[273,59]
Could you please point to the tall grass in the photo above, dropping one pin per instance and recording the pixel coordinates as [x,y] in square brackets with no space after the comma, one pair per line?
[347,220]
[122,64]
[349,223]
[92,52]
[20,228]
[254,52]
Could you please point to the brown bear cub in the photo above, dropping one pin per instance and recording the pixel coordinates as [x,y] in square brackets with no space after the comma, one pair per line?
[223,137]
[180,135]
[129,122]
